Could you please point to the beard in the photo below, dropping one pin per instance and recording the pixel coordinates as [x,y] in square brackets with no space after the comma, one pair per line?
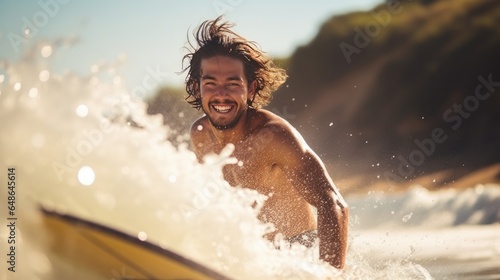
[224,126]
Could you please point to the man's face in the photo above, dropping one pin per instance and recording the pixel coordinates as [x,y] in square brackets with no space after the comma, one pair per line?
[224,90]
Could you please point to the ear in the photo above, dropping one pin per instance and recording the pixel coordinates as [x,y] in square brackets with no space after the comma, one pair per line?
[252,87]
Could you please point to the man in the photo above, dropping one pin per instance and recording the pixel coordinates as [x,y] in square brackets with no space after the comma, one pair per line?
[229,78]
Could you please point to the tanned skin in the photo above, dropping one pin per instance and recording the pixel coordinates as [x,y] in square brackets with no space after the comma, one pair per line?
[275,159]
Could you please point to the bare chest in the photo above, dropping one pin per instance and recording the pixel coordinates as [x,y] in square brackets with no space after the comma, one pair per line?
[254,169]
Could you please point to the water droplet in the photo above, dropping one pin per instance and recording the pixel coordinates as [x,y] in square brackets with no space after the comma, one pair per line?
[200,127]
[17,86]
[44,75]
[26,32]
[82,110]
[142,236]
[331,124]
[293,99]
[181,114]
[33,93]
[86,176]
[240,163]
[406,218]
[46,51]
[2,78]
[172,178]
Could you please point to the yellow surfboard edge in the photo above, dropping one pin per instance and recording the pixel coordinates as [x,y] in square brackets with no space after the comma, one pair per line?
[115,254]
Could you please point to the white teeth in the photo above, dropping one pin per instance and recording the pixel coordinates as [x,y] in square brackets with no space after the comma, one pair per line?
[222,108]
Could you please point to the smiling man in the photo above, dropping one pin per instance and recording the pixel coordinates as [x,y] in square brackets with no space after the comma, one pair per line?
[230,79]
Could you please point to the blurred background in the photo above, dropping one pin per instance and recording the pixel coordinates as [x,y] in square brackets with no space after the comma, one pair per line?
[396,94]
[392,95]
[370,82]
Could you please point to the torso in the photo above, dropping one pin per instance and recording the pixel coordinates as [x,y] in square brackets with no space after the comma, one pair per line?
[284,207]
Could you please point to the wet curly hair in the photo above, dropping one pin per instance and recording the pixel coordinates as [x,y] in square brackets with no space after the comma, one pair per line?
[213,38]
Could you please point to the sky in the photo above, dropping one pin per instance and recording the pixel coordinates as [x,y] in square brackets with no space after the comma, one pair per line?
[152,33]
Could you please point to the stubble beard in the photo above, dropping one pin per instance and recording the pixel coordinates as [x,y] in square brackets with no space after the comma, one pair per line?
[230,125]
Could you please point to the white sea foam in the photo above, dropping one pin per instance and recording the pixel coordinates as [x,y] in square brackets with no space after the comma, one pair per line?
[84,146]
[418,207]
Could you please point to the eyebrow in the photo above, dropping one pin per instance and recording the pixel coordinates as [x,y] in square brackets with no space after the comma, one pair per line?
[231,78]
[207,77]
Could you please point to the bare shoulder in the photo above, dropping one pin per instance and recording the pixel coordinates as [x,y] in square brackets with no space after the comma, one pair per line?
[199,135]
[282,133]
[267,119]
[197,131]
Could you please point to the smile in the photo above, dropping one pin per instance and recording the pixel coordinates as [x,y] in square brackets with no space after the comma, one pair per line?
[222,108]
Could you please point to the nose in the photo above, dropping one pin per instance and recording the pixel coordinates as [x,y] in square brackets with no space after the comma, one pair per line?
[221,91]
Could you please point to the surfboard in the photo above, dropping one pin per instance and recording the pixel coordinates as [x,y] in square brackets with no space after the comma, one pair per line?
[117,255]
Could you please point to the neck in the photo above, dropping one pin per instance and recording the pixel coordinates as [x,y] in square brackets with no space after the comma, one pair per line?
[234,134]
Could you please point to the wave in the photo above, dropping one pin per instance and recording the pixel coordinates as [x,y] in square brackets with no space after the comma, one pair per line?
[84,146]
[419,207]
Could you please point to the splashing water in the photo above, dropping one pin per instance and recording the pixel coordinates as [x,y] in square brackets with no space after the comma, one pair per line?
[84,146]
[406,218]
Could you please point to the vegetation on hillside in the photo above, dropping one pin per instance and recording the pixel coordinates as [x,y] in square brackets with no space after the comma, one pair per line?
[410,86]
[426,60]
[177,113]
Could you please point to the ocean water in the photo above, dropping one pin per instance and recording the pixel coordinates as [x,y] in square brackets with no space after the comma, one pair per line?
[83,145]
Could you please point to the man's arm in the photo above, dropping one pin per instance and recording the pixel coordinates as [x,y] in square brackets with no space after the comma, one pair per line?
[311,180]
[318,189]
